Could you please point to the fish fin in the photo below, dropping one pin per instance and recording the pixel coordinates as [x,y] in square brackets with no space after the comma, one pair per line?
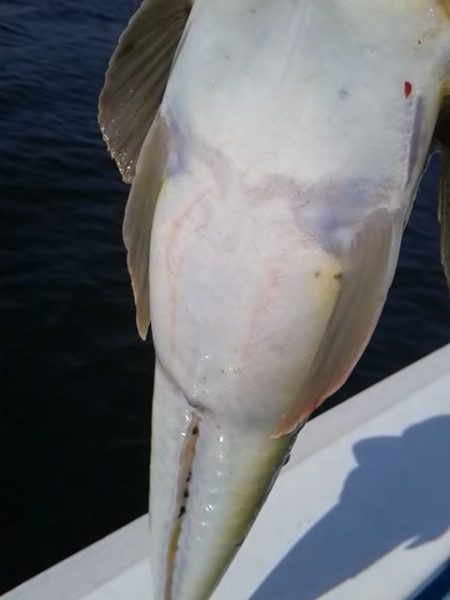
[137,77]
[444,211]
[368,270]
[442,135]
[137,225]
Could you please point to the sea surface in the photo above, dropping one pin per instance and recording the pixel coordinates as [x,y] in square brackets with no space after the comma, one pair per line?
[75,380]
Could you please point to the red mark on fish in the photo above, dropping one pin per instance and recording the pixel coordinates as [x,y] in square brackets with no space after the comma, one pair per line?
[408,88]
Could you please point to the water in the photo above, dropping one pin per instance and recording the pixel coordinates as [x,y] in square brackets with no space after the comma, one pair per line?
[75,379]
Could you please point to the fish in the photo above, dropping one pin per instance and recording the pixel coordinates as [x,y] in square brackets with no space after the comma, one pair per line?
[274,149]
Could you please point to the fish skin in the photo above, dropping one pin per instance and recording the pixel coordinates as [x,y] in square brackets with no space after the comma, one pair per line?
[232,473]
[297,135]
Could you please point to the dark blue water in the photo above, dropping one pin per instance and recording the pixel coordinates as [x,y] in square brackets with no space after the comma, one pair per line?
[75,381]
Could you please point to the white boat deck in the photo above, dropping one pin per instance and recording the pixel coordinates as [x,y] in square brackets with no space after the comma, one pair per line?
[362,511]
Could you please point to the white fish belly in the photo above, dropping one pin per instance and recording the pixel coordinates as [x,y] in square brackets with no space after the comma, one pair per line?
[240,298]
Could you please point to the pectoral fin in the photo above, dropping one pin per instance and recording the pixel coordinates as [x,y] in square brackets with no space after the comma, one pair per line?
[137,77]
[368,269]
[442,135]
[137,225]
[444,211]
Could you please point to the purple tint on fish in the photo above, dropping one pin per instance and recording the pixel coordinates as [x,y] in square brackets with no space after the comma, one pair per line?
[329,224]
[177,155]
[335,209]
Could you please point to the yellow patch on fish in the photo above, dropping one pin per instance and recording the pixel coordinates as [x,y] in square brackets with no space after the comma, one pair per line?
[327,280]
